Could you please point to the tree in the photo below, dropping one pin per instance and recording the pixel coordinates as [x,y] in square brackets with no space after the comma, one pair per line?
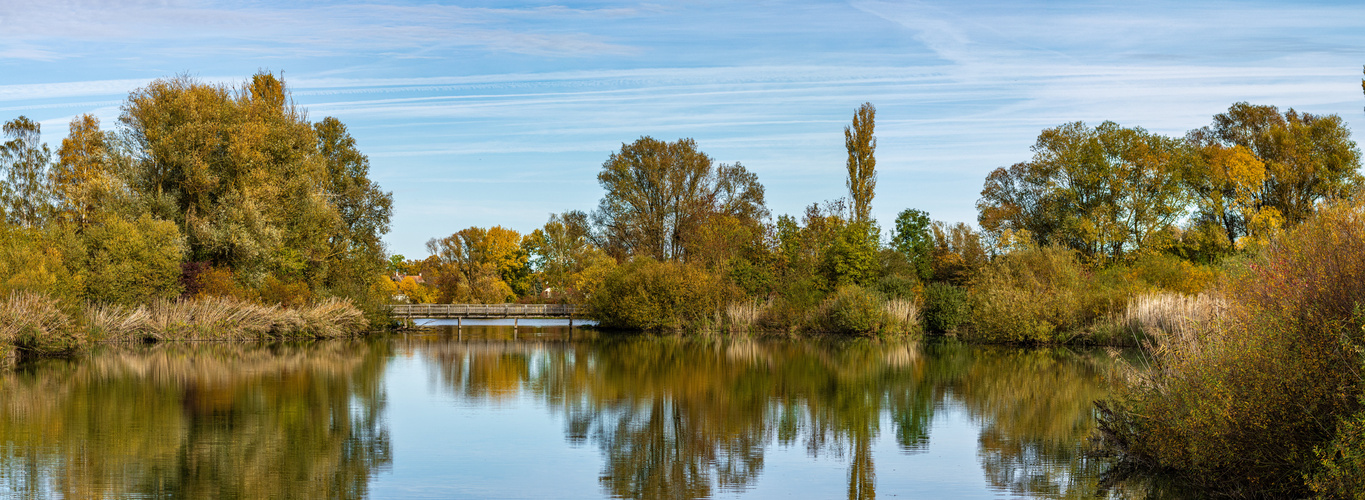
[658,194]
[87,178]
[363,208]
[913,240]
[1308,158]
[862,165]
[1102,191]
[481,265]
[1226,183]
[27,195]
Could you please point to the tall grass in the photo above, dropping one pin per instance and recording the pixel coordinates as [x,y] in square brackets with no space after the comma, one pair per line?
[37,323]
[1172,320]
[741,317]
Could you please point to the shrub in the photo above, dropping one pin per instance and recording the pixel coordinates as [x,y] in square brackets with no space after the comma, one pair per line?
[651,295]
[1341,463]
[1242,406]
[131,262]
[899,287]
[1172,273]
[854,310]
[1041,295]
[945,307]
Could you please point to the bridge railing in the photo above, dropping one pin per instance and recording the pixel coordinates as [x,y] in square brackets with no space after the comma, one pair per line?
[484,310]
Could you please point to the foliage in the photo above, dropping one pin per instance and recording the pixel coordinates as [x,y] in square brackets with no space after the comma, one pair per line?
[1042,295]
[1101,191]
[26,197]
[1341,469]
[958,252]
[854,310]
[852,257]
[486,266]
[945,308]
[1241,406]
[658,194]
[652,295]
[913,240]
[862,164]
[132,262]
[1306,158]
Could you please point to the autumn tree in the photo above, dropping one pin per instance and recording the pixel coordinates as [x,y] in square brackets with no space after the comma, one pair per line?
[566,260]
[89,175]
[958,252]
[253,185]
[659,194]
[1307,158]
[1102,191]
[481,265]
[862,164]
[26,193]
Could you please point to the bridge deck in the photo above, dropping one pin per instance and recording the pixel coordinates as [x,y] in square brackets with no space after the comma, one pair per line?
[476,311]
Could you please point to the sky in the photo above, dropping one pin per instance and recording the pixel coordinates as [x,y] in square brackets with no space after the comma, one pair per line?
[485,113]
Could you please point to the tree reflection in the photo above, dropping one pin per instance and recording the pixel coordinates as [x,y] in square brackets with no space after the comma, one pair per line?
[683,418]
[196,421]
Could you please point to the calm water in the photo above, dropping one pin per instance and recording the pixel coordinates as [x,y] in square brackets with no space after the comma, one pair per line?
[488,412]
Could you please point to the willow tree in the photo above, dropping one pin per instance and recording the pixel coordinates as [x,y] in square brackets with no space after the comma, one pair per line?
[88,177]
[659,194]
[862,165]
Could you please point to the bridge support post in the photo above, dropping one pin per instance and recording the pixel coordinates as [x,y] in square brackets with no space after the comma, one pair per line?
[457,323]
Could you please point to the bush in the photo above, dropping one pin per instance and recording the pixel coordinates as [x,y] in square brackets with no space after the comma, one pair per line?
[651,295]
[1172,273]
[1341,466]
[854,310]
[132,262]
[899,287]
[1042,295]
[1241,406]
[945,308]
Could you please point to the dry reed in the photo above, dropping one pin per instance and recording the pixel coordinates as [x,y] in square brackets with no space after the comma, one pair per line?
[1172,318]
[740,317]
[904,313]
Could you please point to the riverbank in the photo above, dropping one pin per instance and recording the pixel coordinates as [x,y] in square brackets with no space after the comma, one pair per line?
[40,325]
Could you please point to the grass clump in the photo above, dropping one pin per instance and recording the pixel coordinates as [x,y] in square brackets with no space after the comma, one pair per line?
[35,323]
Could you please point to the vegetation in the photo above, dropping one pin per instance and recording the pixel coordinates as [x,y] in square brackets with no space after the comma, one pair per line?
[206,199]
[1262,394]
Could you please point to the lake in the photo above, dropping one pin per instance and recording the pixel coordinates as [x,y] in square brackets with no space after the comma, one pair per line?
[540,411]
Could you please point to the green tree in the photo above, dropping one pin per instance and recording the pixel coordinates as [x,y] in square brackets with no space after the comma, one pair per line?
[658,194]
[363,208]
[26,160]
[852,258]
[132,262]
[1103,191]
[862,164]
[914,241]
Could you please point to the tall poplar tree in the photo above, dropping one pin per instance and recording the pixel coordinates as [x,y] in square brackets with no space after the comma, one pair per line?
[862,165]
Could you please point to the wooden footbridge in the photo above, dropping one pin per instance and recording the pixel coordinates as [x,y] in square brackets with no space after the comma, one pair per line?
[484,311]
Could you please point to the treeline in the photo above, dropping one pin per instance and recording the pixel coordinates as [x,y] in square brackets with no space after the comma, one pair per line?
[1099,216]
[201,190]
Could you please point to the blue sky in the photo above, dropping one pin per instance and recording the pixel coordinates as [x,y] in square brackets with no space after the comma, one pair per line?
[499,113]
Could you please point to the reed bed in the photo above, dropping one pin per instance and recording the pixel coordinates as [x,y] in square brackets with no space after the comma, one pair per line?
[38,324]
[1171,319]
[904,313]
[741,317]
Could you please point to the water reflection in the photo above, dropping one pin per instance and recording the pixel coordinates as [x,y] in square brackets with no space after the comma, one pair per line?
[670,417]
[688,418]
[202,420]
